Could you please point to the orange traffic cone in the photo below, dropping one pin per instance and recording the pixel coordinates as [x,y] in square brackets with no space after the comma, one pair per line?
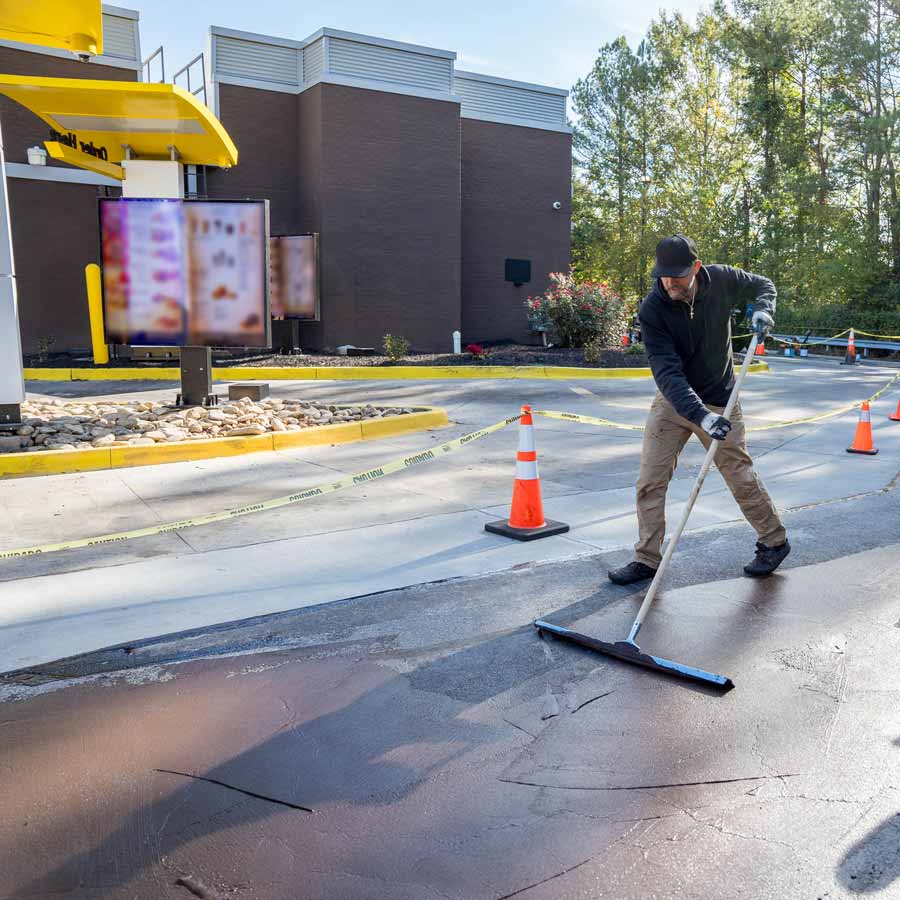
[526,516]
[760,349]
[895,416]
[626,341]
[862,443]
[850,356]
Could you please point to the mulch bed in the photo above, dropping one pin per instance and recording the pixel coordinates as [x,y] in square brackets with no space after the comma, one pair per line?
[510,355]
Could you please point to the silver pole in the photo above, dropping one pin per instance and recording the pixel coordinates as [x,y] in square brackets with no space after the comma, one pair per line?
[12,384]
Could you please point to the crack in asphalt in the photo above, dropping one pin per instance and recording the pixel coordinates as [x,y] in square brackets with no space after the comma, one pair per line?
[545,880]
[648,787]
[586,702]
[520,728]
[231,787]
[721,829]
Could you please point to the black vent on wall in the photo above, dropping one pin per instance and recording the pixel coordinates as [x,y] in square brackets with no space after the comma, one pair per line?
[518,271]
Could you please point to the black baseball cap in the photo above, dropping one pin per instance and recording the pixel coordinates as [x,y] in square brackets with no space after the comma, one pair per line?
[675,257]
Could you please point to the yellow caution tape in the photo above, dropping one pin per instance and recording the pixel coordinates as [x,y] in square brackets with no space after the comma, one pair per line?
[889,337]
[803,343]
[799,341]
[593,420]
[585,420]
[856,331]
[827,415]
[397,465]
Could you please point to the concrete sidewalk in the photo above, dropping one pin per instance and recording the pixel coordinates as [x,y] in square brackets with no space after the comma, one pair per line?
[418,526]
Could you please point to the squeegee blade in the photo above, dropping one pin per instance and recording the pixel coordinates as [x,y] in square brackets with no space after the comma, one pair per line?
[629,652]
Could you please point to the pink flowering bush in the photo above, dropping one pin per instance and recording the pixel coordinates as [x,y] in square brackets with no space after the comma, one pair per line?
[576,314]
[476,351]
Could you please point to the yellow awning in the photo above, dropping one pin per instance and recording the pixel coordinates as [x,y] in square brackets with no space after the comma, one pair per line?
[66,154]
[98,119]
[75,25]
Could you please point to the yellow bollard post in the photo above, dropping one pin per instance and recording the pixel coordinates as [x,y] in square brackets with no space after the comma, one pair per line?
[95,311]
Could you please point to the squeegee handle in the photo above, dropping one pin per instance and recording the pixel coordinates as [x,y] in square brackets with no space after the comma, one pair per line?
[695,492]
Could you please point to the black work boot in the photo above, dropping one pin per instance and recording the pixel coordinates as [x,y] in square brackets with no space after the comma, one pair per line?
[767,560]
[634,571]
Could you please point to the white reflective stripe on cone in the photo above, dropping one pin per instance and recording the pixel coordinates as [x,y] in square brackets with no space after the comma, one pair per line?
[526,437]
[526,470]
[865,416]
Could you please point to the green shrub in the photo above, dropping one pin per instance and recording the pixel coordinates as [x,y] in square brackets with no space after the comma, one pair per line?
[45,345]
[593,351]
[577,313]
[395,347]
[636,348]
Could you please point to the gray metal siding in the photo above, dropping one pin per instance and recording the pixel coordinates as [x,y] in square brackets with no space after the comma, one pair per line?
[313,61]
[358,60]
[119,37]
[261,62]
[483,97]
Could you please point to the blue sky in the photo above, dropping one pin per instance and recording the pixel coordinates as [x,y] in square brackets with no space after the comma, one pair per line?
[533,40]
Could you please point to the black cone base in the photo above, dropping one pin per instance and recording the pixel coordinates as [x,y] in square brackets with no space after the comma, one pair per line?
[548,529]
[871,452]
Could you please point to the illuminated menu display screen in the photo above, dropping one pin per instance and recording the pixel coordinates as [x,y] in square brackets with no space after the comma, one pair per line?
[294,276]
[185,273]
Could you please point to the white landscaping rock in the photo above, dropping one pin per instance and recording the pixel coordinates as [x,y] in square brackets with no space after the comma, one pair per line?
[245,429]
[82,425]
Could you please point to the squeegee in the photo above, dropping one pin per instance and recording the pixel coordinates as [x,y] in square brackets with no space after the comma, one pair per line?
[628,650]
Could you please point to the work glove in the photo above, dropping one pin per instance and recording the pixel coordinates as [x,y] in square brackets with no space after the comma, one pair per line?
[716,426]
[762,322]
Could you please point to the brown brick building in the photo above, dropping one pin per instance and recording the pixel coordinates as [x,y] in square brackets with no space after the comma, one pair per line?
[420,179]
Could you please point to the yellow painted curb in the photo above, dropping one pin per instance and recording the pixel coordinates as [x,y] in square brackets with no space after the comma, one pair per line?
[571,372]
[57,462]
[53,462]
[263,373]
[184,451]
[47,374]
[349,373]
[342,433]
[169,373]
[377,428]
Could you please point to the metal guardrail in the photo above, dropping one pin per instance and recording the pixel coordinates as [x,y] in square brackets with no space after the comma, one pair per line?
[158,52]
[189,81]
[864,343]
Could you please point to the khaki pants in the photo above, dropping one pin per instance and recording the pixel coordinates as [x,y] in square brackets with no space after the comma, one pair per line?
[665,436]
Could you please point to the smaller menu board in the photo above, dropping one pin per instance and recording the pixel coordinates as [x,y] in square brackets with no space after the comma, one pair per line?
[294,276]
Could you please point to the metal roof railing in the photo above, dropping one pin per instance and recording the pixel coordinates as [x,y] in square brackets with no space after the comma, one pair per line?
[162,66]
[189,81]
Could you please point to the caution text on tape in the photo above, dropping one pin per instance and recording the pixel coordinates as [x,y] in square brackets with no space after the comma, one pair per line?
[594,420]
[347,481]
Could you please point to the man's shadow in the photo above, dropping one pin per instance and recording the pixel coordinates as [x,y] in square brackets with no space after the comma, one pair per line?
[363,754]
[873,862]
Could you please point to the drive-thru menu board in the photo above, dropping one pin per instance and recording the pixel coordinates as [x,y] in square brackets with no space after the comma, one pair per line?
[190,272]
[294,276]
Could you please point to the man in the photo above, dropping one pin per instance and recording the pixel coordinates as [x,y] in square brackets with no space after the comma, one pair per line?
[686,327]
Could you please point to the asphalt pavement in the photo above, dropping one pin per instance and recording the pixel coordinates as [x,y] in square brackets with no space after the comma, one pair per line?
[420,740]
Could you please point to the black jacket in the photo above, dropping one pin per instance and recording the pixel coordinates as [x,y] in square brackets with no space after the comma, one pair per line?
[691,358]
